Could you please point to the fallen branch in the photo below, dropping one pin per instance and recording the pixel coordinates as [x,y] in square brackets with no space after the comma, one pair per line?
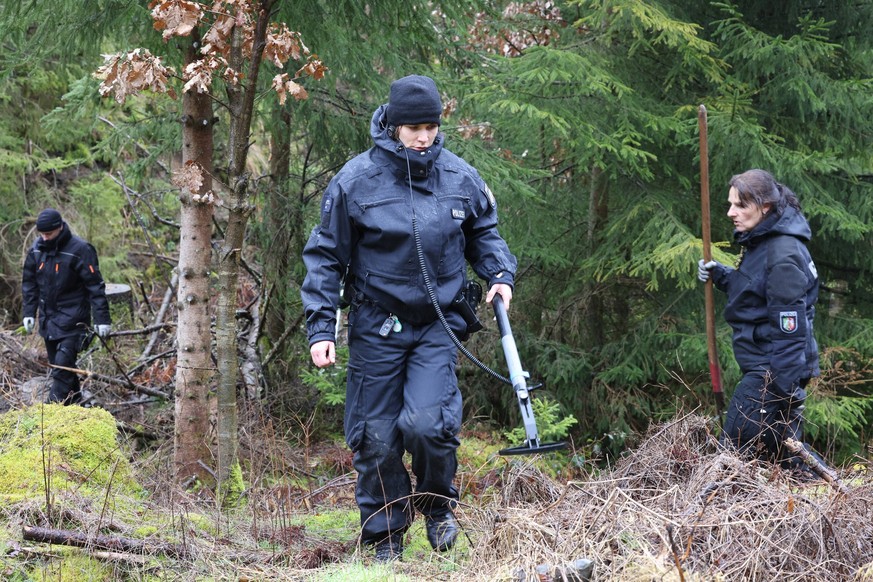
[115,381]
[110,543]
[798,449]
[111,353]
[169,294]
[134,431]
[250,367]
[276,346]
[144,330]
[145,363]
[121,557]
[16,357]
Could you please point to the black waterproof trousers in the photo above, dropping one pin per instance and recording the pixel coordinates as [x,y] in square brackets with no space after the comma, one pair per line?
[759,424]
[401,395]
[65,384]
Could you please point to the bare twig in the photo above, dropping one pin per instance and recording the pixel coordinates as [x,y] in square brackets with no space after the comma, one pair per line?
[798,449]
[111,543]
[115,381]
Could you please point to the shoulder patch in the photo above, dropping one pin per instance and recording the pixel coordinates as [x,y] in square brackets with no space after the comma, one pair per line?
[813,270]
[788,321]
[490,195]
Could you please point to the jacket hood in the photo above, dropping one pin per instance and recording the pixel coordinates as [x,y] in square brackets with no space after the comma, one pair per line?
[418,164]
[791,222]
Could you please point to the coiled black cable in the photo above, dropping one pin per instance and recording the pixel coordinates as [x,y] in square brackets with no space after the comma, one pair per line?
[430,291]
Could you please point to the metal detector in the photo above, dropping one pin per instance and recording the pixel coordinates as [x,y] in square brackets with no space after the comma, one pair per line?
[516,374]
[518,378]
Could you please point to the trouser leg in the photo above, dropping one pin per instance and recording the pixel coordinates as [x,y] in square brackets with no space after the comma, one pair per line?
[752,425]
[431,419]
[760,425]
[65,384]
[401,394]
[374,399]
[745,419]
[792,428]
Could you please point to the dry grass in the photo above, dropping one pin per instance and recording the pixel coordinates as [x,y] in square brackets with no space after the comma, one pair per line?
[676,508]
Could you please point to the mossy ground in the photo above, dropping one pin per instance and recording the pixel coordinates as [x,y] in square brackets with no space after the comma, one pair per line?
[68,447]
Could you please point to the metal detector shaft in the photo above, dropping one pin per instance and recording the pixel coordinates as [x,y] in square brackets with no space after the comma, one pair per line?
[518,377]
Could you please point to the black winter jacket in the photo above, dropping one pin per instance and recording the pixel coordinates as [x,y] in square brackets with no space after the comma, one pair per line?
[366,233]
[771,298]
[61,279]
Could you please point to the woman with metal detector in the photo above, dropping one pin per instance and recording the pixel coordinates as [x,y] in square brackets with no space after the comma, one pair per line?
[771,297]
[399,223]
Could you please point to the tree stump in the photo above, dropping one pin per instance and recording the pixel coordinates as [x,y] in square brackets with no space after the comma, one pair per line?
[119,293]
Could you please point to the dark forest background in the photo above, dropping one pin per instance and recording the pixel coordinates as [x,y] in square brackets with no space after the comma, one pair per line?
[582,118]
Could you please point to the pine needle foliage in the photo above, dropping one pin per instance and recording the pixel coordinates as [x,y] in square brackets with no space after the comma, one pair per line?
[606,103]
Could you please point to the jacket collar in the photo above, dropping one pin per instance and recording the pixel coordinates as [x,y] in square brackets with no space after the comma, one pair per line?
[791,222]
[59,241]
[410,163]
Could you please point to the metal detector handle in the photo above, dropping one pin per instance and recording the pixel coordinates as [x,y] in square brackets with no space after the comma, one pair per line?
[516,374]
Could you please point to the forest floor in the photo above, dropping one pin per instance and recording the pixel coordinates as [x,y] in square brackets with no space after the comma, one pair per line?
[676,507]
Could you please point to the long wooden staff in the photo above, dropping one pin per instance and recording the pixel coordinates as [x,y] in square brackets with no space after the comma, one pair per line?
[714,368]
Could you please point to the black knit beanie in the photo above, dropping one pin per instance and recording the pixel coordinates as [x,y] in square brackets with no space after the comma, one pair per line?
[413,100]
[48,220]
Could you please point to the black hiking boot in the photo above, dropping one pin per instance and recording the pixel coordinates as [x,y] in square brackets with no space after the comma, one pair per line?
[442,531]
[390,548]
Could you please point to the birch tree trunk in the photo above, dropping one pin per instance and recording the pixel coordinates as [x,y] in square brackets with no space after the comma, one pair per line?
[194,370]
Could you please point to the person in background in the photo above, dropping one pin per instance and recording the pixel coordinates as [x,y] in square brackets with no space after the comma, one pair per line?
[405,202]
[61,282]
[771,297]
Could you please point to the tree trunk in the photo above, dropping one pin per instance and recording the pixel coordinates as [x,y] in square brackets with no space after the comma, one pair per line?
[194,369]
[277,248]
[241,105]
[597,215]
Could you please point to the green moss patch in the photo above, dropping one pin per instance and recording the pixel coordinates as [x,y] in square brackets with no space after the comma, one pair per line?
[71,447]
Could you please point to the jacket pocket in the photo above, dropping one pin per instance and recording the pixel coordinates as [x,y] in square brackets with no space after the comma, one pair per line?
[355,435]
[452,411]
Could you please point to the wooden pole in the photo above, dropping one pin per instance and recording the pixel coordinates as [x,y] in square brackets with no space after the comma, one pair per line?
[714,368]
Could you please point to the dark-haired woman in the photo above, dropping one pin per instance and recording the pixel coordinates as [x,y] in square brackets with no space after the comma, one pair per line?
[771,297]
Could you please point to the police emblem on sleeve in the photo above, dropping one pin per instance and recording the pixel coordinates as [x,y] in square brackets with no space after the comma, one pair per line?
[788,321]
